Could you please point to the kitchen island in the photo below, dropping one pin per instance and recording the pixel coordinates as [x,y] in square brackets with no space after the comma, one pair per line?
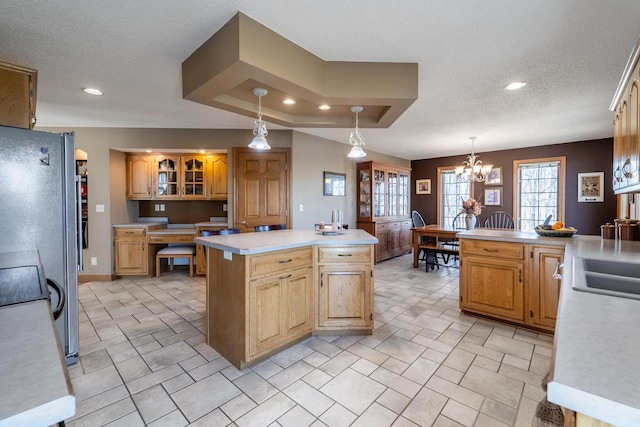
[267,291]
[595,369]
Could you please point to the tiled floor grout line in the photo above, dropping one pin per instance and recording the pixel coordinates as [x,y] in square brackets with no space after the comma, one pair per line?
[409,299]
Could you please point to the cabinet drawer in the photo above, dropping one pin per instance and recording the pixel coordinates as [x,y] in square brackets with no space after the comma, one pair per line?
[129,232]
[388,226]
[171,238]
[493,249]
[342,254]
[262,265]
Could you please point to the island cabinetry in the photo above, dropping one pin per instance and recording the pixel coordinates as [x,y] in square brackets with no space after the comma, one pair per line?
[130,251]
[139,170]
[345,295]
[201,260]
[511,281]
[264,301]
[544,287]
[492,279]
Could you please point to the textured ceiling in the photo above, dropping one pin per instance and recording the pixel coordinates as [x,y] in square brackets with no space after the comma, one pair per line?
[570,52]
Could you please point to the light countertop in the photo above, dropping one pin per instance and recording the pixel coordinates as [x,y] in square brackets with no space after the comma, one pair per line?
[596,346]
[255,243]
[34,388]
[163,231]
[147,225]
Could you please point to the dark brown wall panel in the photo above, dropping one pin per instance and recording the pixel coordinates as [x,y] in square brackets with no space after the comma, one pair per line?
[586,156]
[183,212]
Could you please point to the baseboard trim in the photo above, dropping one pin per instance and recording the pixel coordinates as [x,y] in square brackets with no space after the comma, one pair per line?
[85,278]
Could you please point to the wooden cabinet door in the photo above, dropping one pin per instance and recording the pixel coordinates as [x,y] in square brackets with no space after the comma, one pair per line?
[130,256]
[544,290]
[261,187]
[265,314]
[193,177]
[166,172]
[17,96]
[492,286]
[383,247]
[345,299]
[218,177]
[139,177]
[298,308]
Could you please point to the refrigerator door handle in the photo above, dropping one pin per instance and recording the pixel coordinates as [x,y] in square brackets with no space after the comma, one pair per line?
[79,222]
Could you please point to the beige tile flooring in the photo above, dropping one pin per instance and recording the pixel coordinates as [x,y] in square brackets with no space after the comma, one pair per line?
[144,361]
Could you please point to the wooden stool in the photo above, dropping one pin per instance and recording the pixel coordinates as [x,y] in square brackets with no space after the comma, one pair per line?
[172,252]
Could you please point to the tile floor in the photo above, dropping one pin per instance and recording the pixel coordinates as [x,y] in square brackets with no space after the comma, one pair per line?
[144,362]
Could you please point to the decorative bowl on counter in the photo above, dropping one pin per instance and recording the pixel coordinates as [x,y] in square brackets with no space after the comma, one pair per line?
[561,232]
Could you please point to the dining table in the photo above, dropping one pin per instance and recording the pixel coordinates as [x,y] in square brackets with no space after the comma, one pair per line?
[436,234]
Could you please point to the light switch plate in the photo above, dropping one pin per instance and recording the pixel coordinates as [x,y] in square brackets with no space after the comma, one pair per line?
[99,208]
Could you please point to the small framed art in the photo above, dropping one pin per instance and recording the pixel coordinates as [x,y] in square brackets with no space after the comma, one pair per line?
[591,187]
[494,177]
[493,196]
[423,186]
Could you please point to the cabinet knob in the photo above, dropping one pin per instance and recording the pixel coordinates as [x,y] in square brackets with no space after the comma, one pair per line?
[284,261]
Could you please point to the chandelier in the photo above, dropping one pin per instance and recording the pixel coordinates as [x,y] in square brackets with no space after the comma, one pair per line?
[472,169]
[356,139]
[259,141]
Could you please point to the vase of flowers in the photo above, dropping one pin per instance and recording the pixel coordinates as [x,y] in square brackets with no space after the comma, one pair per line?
[472,208]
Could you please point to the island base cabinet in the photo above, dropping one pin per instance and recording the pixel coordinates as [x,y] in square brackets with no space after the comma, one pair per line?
[492,286]
[544,289]
[280,310]
[345,300]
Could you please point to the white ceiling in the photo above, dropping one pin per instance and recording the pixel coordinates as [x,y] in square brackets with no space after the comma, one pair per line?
[570,52]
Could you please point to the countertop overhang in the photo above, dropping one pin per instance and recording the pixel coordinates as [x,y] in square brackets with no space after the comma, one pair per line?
[255,243]
[596,362]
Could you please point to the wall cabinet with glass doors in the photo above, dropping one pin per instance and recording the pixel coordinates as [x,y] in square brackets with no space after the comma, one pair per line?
[383,207]
[177,177]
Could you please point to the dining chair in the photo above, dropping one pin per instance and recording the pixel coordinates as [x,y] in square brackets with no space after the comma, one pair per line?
[278,227]
[418,221]
[260,228]
[499,219]
[219,232]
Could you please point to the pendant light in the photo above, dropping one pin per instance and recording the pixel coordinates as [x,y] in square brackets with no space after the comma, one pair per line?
[356,139]
[259,141]
[472,169]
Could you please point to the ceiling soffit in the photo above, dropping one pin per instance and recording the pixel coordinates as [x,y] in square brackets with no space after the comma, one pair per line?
[245,54]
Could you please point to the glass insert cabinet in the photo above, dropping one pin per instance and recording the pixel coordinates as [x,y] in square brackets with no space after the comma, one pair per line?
[383,207]
[180,177]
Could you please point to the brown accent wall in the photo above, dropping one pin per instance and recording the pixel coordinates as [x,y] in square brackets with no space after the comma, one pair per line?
[585,156]
[183,212]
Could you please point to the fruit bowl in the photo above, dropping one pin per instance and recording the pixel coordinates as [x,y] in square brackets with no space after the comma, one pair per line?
[561,232]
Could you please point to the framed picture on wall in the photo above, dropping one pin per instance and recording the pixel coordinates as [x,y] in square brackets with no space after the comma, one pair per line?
[423,186]
[591,187]
[493,196]
[333,184]
[494,177]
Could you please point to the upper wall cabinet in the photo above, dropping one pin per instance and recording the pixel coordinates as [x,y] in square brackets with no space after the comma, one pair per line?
[177,177]
[17,96]
[626,124]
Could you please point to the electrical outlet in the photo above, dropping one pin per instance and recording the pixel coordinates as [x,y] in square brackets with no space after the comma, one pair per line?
[99,208]
[301,207]
[157,207]
[94,260]
[162,207]
[225,208]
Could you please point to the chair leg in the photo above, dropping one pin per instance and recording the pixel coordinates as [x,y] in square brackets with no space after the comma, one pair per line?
[190,266]
[158,263]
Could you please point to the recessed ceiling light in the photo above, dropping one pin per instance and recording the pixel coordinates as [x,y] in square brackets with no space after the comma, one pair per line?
[324,107]
[148,151]
[92,91]
[515,85]
[202,152]
[289,101]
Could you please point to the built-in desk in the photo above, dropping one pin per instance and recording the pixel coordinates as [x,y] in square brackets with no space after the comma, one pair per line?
[35,389]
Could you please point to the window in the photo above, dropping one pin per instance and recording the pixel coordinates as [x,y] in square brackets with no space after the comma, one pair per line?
[539,191]
[451,192]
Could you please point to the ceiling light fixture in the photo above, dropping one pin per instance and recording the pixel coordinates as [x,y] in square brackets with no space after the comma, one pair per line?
[356,139]
[92,91]
[259,141]
[324,107]
[289,101]
[472,169]
[515,85]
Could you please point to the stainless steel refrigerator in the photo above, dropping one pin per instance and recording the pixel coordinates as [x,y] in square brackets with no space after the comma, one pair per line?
[39,210]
